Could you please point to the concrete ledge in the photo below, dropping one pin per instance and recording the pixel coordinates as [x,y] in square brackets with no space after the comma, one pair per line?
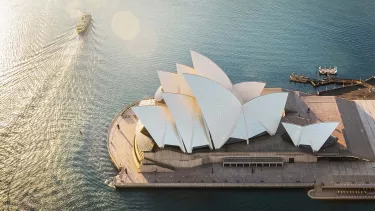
[214,185]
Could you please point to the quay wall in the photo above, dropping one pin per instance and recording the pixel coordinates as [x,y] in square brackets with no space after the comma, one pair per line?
[215,185]
[341,90]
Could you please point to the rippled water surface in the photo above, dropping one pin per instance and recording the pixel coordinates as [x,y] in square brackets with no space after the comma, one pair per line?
[59,91]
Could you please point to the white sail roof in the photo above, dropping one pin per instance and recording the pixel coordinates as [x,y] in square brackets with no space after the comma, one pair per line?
[188,119]
[254,127]
[203,102]
[314,135]
[220,108]
[319,133]
[184,87]
[246,91]
[294,132]
[169,81]
[207,68]
[159,124]
[267,110]
[303,139]
[240,130]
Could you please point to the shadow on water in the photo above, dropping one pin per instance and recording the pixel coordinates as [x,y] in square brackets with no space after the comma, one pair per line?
[231,199]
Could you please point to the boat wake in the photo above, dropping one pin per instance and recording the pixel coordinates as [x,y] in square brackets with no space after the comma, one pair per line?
[110,183]
[25,84]
[26,99]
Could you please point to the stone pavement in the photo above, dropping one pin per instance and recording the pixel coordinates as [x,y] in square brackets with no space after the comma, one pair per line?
[120,147]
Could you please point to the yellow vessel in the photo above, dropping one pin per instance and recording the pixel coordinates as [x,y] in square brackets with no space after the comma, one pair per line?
[83,23]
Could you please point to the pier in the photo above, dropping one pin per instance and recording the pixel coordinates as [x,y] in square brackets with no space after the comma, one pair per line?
[323,82]
[351,89]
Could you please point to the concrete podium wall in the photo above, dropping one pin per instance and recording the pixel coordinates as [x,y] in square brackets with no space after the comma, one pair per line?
[181,160]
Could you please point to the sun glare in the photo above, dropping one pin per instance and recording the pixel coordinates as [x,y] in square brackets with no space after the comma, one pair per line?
[125,25]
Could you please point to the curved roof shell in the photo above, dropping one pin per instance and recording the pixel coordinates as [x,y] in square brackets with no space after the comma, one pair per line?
[188,119]
[184,87]
[209,69]
[247,91]
[314,135]
[169,81]
[267,110]
[220,108]
[160,125]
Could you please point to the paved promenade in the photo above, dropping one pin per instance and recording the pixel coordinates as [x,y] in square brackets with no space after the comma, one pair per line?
[120,148]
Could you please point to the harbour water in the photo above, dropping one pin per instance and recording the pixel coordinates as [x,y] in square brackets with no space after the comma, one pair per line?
[59,91]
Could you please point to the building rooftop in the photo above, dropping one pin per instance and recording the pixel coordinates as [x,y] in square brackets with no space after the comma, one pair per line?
[366,110]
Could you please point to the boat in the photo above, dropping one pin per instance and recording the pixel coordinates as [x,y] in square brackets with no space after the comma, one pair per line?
[83,23]
[325,70]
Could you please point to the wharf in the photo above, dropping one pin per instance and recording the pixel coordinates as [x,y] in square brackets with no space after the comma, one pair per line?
[323,82]
[363,91]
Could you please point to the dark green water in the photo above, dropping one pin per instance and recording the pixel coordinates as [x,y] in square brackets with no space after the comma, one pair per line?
[59,92]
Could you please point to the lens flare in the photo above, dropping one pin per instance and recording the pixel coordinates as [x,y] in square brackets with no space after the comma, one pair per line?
[125,25]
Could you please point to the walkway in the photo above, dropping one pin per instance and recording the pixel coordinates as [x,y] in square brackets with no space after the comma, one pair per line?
[120,147]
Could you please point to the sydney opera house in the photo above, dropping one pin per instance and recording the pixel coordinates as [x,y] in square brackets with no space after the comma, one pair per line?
[198,116]
[200,108]
[201,130]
